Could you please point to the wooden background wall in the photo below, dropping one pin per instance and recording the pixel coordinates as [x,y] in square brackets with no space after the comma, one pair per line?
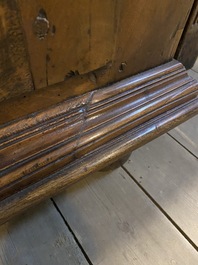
[56,40]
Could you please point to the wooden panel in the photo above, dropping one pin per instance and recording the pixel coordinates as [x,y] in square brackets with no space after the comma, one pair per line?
[187,51]
[131,36]
[169,174]
[88,132]
[39,237]
[15,77]
[79,38]
[148,34]
[117,224]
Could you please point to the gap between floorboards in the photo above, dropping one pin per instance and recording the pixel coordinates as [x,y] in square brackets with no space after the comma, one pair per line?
[162,210]
[72,233]
[182,145]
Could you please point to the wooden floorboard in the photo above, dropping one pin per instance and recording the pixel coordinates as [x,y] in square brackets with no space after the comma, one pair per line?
[187,133]
[39,237]
[169,173]
[116,223]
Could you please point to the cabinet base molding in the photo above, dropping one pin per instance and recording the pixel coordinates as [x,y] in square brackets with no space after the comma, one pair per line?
[45,151]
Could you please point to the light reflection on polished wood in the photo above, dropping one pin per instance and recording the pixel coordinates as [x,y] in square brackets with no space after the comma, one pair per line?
[45,151]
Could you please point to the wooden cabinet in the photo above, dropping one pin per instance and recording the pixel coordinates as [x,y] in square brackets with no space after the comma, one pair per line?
[83,83]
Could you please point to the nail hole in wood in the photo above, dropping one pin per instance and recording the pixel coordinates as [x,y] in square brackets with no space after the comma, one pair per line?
[122,67]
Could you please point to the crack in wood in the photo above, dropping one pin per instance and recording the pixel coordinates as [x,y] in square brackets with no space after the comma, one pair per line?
[85,110]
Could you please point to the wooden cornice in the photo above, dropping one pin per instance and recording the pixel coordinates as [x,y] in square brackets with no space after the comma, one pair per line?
[43,152]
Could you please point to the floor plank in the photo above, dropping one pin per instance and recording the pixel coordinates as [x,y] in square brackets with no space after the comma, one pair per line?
[187,135]
[116,223]
[39,237]
[169,174]
[187,132]
[195,66]
[193,73]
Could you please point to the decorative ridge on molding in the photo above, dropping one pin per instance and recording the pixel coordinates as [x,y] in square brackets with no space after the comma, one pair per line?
[42,152]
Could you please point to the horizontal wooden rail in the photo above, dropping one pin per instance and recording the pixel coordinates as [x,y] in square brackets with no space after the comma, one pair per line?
[43,152]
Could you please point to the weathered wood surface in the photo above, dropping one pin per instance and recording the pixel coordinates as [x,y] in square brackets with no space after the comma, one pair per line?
[79,39]
[187,135]
[187,52]
[67,38]
[39,237]
[116,223]
[45,151]
[193,73]
[169,174]
[15,77]
[195,66]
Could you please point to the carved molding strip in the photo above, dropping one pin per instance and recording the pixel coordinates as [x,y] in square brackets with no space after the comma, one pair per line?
[43,152]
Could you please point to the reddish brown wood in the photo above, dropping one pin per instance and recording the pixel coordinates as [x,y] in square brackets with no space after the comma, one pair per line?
[45,151]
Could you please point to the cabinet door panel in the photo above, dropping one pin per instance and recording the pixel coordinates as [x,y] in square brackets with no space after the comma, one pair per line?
[68,38]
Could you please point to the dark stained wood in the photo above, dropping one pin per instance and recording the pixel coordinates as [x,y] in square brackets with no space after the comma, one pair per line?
[115,165]
[44,151]
[15,77]
[67,38]
[40,99]
[187,51]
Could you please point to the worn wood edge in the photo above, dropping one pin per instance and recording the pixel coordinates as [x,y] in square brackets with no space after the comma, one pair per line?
[44,99]
[80,168]
[85,120]
[132,113]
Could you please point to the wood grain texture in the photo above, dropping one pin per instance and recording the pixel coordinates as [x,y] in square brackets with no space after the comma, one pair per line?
[79,38]
[40,99]
[195,66]
[40,237]
[169,174]
[116,223]
[186,134]
[15,77]
[187,52]
[88,132]
[132,36]
[148,34]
